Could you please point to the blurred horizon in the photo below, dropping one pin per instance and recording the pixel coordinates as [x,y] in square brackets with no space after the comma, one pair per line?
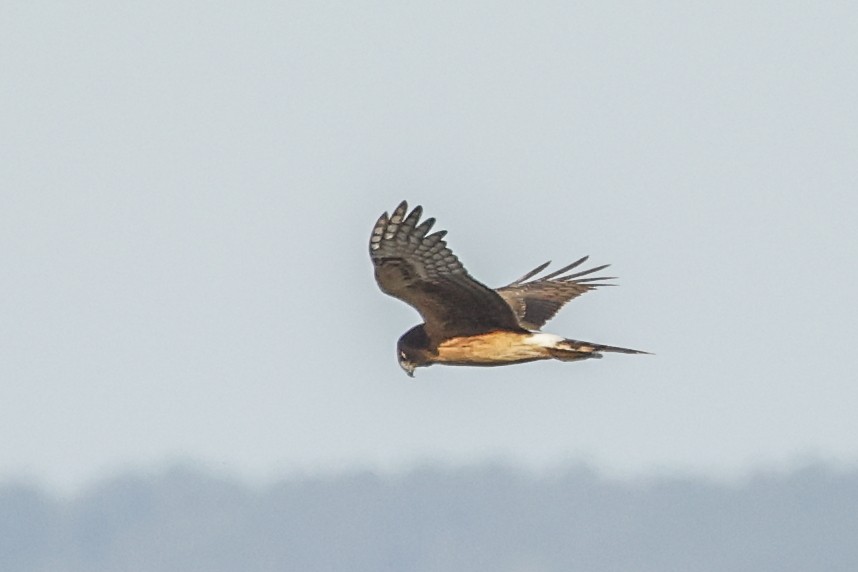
[250,480]
[189,468]
[485,517]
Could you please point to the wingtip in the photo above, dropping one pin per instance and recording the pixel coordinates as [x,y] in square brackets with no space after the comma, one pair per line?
[566,268]
[378,232]
[399,213]
[531,274]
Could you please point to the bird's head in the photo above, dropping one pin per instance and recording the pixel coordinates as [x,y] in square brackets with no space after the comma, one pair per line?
[406,364]
[412,350]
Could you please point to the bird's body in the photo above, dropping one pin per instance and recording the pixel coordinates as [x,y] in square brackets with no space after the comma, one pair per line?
[466,322]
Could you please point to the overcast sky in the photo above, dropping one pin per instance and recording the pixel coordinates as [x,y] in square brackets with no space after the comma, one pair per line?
[188,191]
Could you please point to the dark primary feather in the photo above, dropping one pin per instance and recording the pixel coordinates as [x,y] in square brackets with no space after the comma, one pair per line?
[419,269]
[537,300]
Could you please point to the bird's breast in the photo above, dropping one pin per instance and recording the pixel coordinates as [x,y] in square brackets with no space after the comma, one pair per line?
[492,348]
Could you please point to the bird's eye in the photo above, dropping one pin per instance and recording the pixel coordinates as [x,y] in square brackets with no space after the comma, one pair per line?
[402,355]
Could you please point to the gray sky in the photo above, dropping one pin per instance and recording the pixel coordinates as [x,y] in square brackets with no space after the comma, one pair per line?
[188,190]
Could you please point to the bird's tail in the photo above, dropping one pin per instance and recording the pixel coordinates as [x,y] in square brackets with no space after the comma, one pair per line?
[573,350]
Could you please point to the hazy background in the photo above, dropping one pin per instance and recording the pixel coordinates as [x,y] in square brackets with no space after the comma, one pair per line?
[188,190]
[485,518]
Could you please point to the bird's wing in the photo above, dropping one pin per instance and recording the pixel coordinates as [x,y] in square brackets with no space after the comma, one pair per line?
[537,300]
[419,269]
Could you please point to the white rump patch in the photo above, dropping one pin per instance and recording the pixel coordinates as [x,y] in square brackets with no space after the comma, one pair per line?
[544,340]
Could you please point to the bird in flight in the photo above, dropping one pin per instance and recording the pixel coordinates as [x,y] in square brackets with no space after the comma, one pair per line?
[464,321]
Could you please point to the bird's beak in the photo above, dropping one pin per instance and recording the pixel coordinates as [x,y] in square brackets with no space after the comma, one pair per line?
[407,367]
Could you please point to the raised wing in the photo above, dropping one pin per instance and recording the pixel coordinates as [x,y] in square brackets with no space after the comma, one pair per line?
[419,269]
[537,300]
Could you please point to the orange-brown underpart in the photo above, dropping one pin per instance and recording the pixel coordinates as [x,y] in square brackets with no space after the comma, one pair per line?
[495,347]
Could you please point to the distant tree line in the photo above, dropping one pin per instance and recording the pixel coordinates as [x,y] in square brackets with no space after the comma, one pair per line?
[486,518]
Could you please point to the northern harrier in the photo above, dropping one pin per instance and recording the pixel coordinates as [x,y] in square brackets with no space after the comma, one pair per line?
[464,321]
